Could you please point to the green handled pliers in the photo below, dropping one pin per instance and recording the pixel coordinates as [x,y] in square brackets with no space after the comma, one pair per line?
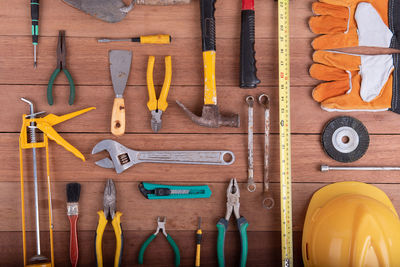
[109,211]
[160,226]
[232,204]
[61,55]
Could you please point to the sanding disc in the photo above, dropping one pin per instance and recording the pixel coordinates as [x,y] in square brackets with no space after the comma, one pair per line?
[345,139]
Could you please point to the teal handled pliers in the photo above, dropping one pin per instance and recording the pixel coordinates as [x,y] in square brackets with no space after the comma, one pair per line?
[232,204]
[109,212]
[160,226]
[61,55]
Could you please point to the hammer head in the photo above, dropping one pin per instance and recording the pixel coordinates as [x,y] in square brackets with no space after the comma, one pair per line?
[211,117]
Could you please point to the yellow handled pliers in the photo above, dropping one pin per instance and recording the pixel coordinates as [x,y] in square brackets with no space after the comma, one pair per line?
[158,106]
[109,212]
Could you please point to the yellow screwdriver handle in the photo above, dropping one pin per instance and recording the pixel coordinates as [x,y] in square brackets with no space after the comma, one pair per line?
[162,101]
[152,103]
[156,39]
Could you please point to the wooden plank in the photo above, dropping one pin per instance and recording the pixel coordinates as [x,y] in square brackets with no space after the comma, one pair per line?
[264,248]
[307,155]
[87,61]
[140,213]
[151,20]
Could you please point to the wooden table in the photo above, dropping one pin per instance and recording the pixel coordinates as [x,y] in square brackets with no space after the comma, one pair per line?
[87,61]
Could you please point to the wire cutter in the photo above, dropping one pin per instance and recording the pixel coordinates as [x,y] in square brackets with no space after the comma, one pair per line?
[160,226]
[61,54]
[109,203]
[233,204]
[158,106]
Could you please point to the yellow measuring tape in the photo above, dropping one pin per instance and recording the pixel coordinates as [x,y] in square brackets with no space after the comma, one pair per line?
[284,134]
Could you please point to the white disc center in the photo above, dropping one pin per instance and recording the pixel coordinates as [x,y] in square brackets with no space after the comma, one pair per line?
[345,139]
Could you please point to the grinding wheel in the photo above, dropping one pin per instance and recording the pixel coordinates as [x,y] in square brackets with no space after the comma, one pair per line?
[345,139]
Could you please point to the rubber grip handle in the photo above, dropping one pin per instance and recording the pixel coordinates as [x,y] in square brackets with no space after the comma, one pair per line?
[222,226]
[50,86]
[144,246]
[99,238]
[242,226]
[248,70]
[119,238]
[73,241]
[35,21]
[176,250]
[207,10]
[118,117]
[71,87]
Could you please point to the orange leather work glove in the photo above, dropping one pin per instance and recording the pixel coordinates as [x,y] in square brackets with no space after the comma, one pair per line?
[355,83]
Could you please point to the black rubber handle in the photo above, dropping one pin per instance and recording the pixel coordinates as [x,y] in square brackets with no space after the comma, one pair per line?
[248,70]
[207,10]
[35,21]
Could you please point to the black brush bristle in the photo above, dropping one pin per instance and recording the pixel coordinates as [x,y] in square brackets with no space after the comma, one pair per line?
[73,192]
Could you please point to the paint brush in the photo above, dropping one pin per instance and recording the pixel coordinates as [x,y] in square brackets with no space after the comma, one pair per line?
[73,193]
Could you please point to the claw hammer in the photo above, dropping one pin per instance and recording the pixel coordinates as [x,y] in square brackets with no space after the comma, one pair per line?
[210,116]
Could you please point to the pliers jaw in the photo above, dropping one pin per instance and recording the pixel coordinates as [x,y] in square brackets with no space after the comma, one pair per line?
[109,199]
[233,196]
[161,226]
[156,121]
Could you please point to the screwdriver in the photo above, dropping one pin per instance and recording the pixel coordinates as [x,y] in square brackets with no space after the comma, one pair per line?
[199,235]
[147,39]
[35,28]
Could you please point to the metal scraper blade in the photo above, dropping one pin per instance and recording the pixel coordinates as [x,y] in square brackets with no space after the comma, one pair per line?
[120,66]
[107,10]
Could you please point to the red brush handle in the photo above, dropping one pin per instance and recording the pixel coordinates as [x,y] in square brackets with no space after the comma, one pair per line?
[247,4]
[73,241]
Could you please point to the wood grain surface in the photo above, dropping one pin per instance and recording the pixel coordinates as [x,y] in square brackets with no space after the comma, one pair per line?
[87,61]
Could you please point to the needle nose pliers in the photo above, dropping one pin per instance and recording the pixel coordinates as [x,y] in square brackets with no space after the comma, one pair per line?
[109,203]
[61,55]
[158,106]
[232,204]
[160,226]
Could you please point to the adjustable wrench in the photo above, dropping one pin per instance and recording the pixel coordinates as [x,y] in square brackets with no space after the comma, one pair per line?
[251,186]
[122,157]
[268,201]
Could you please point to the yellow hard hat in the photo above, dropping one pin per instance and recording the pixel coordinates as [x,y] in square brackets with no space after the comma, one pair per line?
[351,224]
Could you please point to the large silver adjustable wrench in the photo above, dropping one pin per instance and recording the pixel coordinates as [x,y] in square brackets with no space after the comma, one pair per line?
[122,157]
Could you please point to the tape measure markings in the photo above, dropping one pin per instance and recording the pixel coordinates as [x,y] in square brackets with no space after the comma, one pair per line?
[284,134]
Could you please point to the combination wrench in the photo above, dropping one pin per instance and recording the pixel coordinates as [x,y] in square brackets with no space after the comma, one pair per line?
[251,186]
[268,201]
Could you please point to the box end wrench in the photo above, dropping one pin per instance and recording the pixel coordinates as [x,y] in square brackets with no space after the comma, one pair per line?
[268,201]
[251,186]
[121,157]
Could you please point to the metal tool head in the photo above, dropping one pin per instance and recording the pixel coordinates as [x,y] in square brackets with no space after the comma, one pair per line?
[263,99]
[161,225]
[107,10]
[120,67]
[156,121]
[211,117]
[250,100]
[121,157]
[233,196]
[109,200]
[61,50]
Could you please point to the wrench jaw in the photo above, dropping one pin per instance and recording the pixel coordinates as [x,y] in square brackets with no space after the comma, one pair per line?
[121,157]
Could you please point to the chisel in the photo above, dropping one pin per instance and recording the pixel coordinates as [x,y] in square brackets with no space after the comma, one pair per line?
[147,39]
[35,28]
[248,71]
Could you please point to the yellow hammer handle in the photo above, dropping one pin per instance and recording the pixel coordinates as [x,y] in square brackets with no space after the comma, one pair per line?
[99,237]
[152,103]
[156,39]
[118,117]
[210,88]
[116,223]
[162,101]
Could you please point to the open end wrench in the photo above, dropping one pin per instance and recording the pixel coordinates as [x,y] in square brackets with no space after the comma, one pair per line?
[121,157]
[268,201]
[251,186]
